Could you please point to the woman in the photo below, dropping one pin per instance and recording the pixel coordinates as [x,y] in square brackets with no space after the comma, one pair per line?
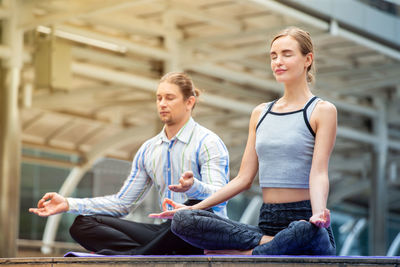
[290,141]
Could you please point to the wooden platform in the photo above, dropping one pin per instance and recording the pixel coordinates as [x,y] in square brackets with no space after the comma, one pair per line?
[200,261]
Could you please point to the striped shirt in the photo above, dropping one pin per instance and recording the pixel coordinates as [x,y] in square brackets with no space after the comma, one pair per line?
[161,162]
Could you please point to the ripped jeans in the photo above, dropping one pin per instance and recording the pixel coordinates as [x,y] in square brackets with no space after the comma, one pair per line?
[287,222]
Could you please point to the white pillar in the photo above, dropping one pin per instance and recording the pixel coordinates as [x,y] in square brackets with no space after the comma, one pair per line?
[10,142]
[172,41]
[378,201]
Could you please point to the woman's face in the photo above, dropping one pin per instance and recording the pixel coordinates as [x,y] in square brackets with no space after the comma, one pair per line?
[287,62]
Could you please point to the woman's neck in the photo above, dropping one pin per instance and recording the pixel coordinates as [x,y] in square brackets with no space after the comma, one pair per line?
[296,92]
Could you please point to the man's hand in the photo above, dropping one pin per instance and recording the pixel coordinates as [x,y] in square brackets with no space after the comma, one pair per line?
[185,183]
[322,219]
[50,204]
[168,214]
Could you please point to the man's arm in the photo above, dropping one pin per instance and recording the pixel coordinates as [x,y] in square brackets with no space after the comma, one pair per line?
[131,194]
[135,188]
[214,169]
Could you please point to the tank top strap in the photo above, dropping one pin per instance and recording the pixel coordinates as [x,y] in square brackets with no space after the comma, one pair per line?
[268,107]
[307,111]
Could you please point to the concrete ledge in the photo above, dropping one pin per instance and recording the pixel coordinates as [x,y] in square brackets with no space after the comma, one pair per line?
[206,261]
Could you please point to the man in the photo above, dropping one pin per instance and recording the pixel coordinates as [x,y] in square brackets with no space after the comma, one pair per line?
[185,161]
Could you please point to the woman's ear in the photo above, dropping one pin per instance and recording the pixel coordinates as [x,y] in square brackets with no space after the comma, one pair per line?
[309,59]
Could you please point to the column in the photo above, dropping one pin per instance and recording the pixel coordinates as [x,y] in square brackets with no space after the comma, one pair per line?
[10,141]
[378,207]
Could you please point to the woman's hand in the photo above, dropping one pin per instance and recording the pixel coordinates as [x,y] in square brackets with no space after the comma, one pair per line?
[322,219]
[50,204]
[168,214]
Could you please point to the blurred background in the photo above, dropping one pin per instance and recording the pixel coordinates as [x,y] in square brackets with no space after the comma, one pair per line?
[78,81]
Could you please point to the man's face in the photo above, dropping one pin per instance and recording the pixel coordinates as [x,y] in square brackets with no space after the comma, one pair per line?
[171,105]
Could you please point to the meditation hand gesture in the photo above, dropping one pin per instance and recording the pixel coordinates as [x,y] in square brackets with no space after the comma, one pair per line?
[50,204]
[322,219]
[185,183]
[168,214]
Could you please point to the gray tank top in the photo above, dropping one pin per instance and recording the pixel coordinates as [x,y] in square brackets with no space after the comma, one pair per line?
[285,146]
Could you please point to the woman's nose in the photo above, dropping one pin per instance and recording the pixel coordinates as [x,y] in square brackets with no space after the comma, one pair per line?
[278,60]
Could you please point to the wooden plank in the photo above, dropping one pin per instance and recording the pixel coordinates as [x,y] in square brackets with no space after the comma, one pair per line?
[206,261]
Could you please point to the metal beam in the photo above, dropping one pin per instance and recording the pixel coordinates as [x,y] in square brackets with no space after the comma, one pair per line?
[127,24]
[229,37]
[218,55]
[191,12]
[47,162]
[291,12]
[393,53]
[236,76]
[140,49]
[150,85]
[381,68]
[224,87]
[117,77]
[62,16]
[339,163]
[366,85]
[119,6]
[108,59]
[356,135]
[345,188]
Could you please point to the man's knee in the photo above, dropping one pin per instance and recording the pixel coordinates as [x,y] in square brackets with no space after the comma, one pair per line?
[80,224]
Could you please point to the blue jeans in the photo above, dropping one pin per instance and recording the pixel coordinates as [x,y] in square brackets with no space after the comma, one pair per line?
[287,222]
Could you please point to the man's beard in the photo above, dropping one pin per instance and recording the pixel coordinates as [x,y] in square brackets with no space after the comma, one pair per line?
[166,120]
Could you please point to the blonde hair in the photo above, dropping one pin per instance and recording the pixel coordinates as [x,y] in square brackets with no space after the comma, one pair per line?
[303,38]
[184,82]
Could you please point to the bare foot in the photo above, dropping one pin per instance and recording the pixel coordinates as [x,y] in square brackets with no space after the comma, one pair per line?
[265,239]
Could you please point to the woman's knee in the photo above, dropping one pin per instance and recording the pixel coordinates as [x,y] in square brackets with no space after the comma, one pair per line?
[181,219]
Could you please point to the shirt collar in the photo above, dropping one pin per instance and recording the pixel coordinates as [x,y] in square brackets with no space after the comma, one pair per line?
[183,134]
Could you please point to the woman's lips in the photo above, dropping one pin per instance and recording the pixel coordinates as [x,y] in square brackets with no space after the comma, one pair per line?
[279,71]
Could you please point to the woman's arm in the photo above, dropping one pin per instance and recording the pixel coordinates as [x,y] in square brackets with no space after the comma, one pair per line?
[241,182]
[325,130]
[247,171]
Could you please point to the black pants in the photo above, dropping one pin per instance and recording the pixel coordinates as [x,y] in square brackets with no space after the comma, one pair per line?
[113,236]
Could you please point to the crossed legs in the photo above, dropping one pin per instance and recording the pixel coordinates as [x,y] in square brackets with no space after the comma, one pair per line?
[209,231]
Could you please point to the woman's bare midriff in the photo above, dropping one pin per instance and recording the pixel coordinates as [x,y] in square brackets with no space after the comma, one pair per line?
[285,195]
